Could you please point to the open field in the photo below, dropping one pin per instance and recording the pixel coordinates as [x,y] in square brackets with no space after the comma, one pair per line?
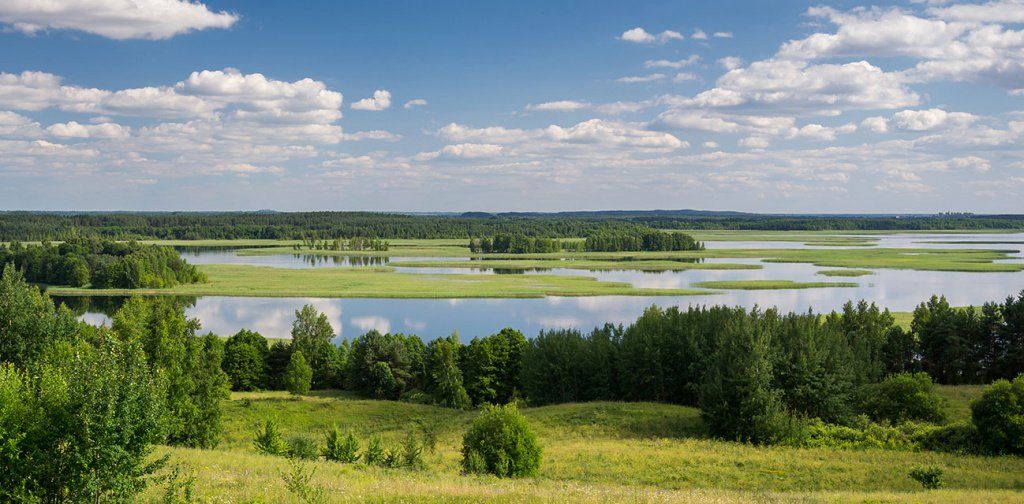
[602,451]
[585,264]
[768,284]
[845,272]
[261,281]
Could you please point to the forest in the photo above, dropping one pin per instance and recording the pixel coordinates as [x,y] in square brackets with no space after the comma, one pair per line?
[101,264]
[38,226]
[103,397]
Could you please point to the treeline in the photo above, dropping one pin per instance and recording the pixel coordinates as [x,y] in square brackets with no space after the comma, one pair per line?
[521,244]
[642,240]
[81,406]
[38,226]
[101,264]
[354,243]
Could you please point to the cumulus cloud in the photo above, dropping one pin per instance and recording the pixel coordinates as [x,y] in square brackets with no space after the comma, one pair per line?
[418,102]
[115,19]
[560,105]
[875,124]
[723,34]
[730,62]
[381,100]
[639,35]
[699,34]
[72,129]
[931,119]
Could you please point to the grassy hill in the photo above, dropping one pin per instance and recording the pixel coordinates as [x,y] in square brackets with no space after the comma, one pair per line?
[593,452]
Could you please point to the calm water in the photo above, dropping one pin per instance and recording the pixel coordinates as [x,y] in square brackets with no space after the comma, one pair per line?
[896,289]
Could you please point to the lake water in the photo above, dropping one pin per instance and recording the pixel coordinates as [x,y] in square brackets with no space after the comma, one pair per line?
[899,290]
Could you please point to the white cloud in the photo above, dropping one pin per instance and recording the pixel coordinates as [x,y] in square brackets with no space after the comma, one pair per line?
[980,165]
[639,35]
[635,79]
[418,102]
[710,145]
[730,62]
[676,64]
[875,124]
[382,135]
[755,142]
[72,129]
[116,19]
[560,105]
[723,34]
[381,100]
[812,132]
[931,119]
[684,77]
[1005,11]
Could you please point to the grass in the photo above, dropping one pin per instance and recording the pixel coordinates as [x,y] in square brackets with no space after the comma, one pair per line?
[959,399]
[366,282]
[593,452]
[845,272]
[768,284]
[586,264]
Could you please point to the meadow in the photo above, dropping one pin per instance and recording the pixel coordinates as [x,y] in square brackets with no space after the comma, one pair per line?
[593,452]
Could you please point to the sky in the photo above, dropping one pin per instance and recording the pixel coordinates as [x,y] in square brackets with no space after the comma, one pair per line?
[774,107]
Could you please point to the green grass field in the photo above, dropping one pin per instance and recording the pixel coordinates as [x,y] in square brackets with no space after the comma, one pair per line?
[768,284]
[593,452]
[366,282]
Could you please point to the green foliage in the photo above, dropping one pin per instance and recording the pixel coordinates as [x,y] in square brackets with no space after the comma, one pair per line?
[101,263]
[929,477]
[245,360]
[299,483]
[444,378]
[28,320]
[999,416]
[491,366]
[311,335]
[298,375]
[191,364]
[412,452]
[649,240]
[392,457]
[374,454]
[901,398]
[501,442]
[81,424]
[385,365]
[303,447]
[737,398]
[341,449]
[269,440]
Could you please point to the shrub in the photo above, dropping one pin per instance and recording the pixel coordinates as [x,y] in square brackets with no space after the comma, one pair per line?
[341,449]
[299,483]
[500,442]
[961,437]
[303,447]
[269,440]
[374,454]
[900,398]
[298,376]
[412,452]
[930,477]
[392,457]
[999,416]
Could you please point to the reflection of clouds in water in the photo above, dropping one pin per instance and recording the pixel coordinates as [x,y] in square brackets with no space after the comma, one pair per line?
[95,319]
[415,325]
[564,322]
[369,323]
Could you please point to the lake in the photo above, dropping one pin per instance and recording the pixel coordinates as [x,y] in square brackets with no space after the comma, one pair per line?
[899,290]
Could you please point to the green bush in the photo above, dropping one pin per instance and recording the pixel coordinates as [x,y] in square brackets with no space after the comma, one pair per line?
[341,449]
[269,440]
[929,477]
[501,442]
[392,457]
[303,447]
[961,437]
[412,452]
[374,454]
[999,416]
[901,398]
[298,376]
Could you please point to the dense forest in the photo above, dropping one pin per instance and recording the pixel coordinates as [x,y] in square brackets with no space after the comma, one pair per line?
[100,264]
[37,226]
[102,397]
[601,240]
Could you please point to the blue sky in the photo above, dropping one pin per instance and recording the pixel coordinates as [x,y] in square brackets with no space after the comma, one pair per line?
[452,106]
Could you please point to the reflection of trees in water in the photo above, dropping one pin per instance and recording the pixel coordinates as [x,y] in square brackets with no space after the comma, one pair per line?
[109,305]
[316,259]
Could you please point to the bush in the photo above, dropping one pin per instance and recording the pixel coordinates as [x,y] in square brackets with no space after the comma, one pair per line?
[900,398]
[303,447]
[374,454]
[959,437]
[500,442]
[392,458]
[999,416]
[269,440]
[412,452]
[930,477]
[341,449]
[298,376]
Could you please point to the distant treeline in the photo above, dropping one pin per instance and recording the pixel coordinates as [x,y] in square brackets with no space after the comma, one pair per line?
[603,240]
[101,264]
[33,226]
